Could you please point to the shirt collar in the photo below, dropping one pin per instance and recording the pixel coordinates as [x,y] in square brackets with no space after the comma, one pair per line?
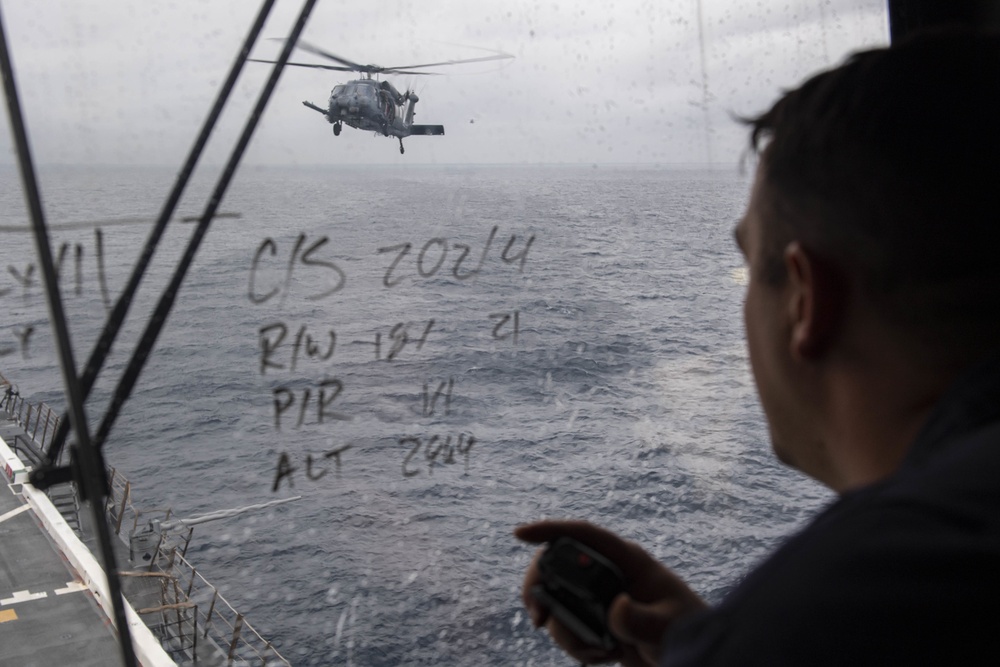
[972,401]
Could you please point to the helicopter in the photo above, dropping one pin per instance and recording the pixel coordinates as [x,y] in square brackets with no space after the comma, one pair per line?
[373,105]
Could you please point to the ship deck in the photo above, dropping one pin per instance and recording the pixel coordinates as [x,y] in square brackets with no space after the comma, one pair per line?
[48,616]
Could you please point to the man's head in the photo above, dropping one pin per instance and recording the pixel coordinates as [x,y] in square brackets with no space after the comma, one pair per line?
[876,212]
[890,166]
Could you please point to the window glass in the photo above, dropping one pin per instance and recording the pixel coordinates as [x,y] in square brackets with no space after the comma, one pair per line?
[535,314]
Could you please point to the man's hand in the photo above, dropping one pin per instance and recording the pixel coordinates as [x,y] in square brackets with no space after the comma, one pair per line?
[639,618]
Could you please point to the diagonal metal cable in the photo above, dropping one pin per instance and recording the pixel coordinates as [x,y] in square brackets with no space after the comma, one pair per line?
[92,479]
[169,295]
[43,476]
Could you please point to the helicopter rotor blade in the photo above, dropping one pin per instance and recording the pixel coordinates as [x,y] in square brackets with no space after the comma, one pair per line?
[343,69]
[399,68]
[351,66]
[389,70]
[313,65]
[306,46]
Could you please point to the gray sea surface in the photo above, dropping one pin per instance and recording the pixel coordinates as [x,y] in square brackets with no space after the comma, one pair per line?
[481,345]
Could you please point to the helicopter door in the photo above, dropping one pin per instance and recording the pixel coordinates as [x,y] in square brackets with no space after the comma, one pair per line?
[387,105]
[388,108]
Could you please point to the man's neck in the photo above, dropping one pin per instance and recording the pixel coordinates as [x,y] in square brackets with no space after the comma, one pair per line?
[880,396]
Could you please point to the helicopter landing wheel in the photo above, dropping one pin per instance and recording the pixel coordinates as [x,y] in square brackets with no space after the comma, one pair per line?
[336,129]
[401,149]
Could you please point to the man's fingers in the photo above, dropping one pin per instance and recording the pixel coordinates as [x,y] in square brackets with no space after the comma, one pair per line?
[546,531]
[640,624]
[538,613]
[570,643]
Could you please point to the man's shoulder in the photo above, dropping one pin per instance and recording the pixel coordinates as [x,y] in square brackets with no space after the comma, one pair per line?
[932,526]
[904,570]
[956,488]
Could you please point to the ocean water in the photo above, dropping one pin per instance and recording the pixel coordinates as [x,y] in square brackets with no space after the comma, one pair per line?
[436,354]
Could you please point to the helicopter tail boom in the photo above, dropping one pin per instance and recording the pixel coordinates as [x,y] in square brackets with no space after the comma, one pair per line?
[427,129]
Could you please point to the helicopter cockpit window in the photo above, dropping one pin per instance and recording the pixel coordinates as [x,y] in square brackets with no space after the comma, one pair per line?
[532,311]
[361,90]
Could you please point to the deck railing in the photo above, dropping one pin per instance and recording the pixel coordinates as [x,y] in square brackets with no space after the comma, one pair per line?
[217,618]
[191,610]
[188,614]
[39,421]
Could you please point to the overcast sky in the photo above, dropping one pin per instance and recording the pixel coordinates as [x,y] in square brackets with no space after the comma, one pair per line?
[628,81]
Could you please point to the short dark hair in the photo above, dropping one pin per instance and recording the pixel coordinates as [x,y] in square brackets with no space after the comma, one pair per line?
[890,164]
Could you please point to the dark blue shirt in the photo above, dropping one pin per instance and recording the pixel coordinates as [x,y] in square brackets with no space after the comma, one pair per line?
[903,572]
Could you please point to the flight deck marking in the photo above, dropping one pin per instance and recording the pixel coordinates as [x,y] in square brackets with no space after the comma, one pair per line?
[26,596]
[71,587]
[22,596]
[11,514]
[7,615]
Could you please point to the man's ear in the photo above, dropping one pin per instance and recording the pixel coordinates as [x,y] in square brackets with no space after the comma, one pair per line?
[816,293]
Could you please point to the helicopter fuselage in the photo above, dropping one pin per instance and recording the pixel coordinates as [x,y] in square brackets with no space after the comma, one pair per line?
[370,104]
[366,104]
